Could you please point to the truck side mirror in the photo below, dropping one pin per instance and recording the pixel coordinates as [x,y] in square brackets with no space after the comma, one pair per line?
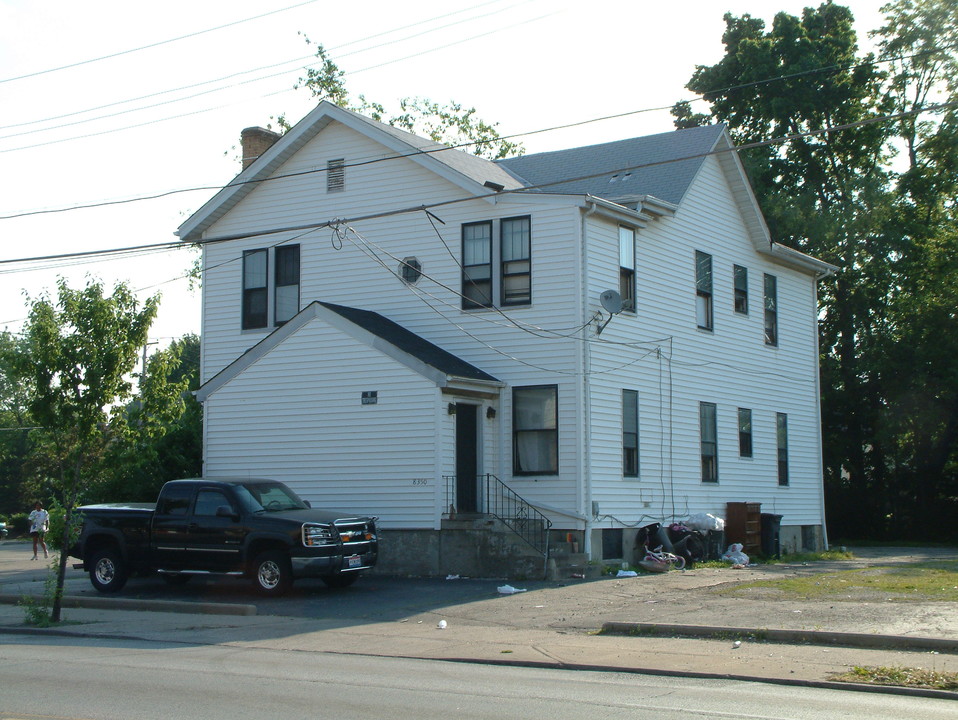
[226,511]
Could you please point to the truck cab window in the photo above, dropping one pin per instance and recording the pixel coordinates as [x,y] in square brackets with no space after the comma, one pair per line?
[175,501]
[208,500]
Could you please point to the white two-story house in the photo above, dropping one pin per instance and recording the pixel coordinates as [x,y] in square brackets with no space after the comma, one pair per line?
[609,333]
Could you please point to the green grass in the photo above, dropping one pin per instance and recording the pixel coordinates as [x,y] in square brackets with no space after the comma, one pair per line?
[823,555]
[900,676]
[919,582]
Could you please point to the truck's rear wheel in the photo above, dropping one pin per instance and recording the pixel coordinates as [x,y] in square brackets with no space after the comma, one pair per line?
[272,573]
[107,570]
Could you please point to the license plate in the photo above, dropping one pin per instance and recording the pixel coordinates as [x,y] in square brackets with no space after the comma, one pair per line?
[354,561]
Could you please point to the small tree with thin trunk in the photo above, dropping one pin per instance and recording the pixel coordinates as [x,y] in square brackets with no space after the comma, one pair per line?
[78,354]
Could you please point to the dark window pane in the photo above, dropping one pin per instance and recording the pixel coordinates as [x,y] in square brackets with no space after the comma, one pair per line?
[477,265]
[708,433]
[744,432]
[535,435]
[630,433]
[286,292]
[741,289]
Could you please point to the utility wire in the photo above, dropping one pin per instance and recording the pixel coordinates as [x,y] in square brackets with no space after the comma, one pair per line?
[446,203]
[277,92]
[246,72]
[152,45]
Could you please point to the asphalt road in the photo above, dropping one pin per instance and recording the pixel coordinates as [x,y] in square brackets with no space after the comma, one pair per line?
[82,678]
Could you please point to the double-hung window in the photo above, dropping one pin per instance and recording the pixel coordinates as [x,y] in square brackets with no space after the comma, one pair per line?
[477,265]
[741,289]
[263,294]
[255,289]
[286,287]
[703,290]
[630,433]
[708,434]
[781,441]
[744,432]
[535,436]
[514,249]
[771,310]
[627,268]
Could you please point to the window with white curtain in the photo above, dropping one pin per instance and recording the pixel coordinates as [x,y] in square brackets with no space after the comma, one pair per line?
[535,436]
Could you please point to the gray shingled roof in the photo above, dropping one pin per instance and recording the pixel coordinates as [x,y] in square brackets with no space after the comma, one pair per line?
[667,179]
[410,343]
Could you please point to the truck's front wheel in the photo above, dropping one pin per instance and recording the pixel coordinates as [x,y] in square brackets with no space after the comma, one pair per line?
[272,573]
[107,570]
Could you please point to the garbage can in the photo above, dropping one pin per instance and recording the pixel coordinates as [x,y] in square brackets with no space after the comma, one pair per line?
[771,535]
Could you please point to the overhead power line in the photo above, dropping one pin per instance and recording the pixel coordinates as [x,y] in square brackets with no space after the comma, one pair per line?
[446,203]
[731,88]
[418,24]
[266,77]
[153,45]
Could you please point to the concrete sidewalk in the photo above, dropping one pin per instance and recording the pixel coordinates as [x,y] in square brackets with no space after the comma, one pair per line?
[551,625]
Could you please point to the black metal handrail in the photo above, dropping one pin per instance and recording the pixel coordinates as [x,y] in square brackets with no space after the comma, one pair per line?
[502,502]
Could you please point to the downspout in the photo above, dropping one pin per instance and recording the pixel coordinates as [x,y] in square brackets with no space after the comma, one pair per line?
[818,409]
[585,365]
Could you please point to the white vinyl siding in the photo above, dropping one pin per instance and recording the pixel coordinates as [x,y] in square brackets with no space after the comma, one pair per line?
[265,421]
[297,415]
[674,366]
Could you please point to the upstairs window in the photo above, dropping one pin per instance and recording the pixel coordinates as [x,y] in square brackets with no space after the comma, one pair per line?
[771,310]
[744,432]
[741,289]
[781,436]
[627,268]
[476,265]
[708,434]
[535,435]
[630,433]
[266,294]
[703,290]
[286,288]
[515,237]
[335,175]
[255,295]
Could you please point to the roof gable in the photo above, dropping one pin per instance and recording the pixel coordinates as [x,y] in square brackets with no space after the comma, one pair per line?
[372,329]
[461,168]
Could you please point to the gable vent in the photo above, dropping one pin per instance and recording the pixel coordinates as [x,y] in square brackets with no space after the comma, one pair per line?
[335,175]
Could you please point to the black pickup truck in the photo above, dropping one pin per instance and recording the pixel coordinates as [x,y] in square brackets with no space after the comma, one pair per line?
[255,528]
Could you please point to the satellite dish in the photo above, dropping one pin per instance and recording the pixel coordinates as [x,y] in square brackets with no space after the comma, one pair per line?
[611,301]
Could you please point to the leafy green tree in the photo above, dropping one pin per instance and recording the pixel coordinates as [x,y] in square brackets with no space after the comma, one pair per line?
[78,354]
[15,423]
[159,435]
[450,124]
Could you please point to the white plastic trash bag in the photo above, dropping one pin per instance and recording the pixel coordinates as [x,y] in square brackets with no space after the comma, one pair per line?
[735,555]
[704,522]
[509,590]
[627,573]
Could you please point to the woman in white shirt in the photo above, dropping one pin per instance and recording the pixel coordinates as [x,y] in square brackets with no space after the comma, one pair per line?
[39,522]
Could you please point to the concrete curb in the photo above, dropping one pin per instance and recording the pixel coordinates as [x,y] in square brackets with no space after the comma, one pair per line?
[169,606]
[801,637]
[659,672]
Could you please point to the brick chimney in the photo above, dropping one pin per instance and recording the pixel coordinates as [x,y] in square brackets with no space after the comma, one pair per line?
[255,141]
